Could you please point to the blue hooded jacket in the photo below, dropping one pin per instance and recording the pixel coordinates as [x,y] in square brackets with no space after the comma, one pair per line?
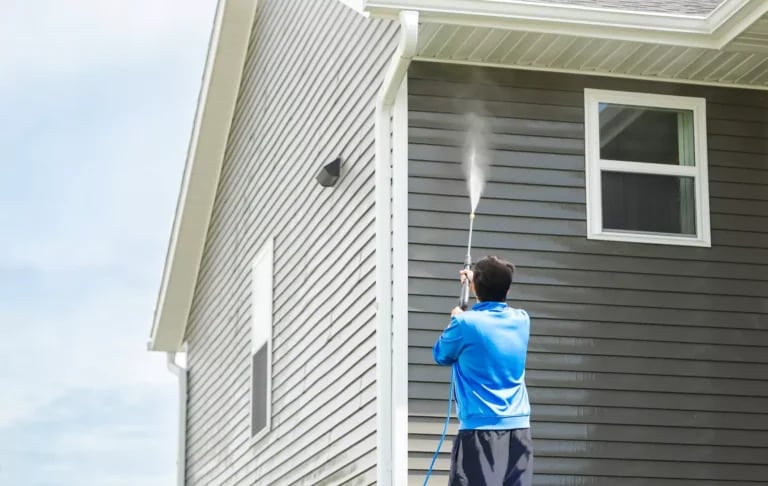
[487,346]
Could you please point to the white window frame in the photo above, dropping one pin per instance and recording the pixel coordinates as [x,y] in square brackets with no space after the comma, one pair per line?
[594,166]
[262,286]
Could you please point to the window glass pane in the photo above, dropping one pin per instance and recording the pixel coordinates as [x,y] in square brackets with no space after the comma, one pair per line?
[648,203]
[259,392]
[640,134]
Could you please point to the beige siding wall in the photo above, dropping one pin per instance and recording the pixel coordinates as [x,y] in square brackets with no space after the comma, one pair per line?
[310,81]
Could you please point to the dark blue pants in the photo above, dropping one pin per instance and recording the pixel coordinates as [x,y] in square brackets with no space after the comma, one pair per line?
[492,458]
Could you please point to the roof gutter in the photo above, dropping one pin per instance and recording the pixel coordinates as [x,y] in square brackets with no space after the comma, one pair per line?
[389,471]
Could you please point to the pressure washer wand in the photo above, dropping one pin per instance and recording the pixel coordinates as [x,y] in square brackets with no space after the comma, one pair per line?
[464,295]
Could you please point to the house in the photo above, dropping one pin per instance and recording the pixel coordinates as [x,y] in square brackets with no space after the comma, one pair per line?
[629,184]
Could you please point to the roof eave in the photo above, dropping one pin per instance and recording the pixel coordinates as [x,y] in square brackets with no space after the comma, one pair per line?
[713,31]
[356,5]
[215,109]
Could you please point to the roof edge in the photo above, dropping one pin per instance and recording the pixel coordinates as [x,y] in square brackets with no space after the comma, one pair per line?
[227,50]
[356,5]
[713,31]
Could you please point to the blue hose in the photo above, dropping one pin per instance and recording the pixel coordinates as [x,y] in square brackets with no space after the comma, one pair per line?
[445,431]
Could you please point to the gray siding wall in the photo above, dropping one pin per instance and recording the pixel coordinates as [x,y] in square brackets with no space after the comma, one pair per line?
[310,81]
[648,364]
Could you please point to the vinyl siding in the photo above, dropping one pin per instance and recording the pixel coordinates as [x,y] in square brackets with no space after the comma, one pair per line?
[648,364]
[311,76]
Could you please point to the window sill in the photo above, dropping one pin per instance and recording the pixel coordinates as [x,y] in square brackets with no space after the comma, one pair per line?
[255,439]
[651,239]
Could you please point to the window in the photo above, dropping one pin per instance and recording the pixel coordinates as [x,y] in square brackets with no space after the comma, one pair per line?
[261,341]
[646,165]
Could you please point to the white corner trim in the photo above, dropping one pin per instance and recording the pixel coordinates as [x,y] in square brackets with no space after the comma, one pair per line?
[181,440]
[400,285]
[213,118]
[713,31]
[594,166]
[389,471]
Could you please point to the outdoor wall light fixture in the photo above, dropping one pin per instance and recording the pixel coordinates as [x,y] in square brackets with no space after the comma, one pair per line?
[330,173]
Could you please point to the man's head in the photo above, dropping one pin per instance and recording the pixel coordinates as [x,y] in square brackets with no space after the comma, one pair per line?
[492,278]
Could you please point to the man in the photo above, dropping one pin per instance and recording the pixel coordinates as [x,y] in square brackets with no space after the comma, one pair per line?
[487,346]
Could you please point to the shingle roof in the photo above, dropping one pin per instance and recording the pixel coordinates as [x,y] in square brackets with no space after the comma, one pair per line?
[685,7]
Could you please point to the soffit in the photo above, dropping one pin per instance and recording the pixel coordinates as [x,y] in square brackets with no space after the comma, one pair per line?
[742,62]
[685,7]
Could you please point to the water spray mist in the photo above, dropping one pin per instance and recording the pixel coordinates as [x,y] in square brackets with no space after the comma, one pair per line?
[475,165]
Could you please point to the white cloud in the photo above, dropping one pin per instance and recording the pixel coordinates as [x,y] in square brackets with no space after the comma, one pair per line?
[91,438]
[98,345]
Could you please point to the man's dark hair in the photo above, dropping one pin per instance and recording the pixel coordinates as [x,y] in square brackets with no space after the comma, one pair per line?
[492,278]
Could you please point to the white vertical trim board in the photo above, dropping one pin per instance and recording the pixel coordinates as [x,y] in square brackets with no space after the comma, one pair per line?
[702,181]
[595,165]
[386,473]
[400,285]
[261,328]
[383,193]
[180,370]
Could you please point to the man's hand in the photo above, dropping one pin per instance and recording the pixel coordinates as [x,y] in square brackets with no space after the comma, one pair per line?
[466,274]
[456,310]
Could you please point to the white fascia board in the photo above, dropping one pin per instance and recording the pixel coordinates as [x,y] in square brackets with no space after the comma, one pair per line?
[592,73]
[730,22]
[713,31]
[213,118]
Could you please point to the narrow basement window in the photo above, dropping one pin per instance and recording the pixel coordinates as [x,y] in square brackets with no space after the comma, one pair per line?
[646,167]
[261,341]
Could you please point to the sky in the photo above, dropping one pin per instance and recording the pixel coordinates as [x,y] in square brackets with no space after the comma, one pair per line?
[97,99]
